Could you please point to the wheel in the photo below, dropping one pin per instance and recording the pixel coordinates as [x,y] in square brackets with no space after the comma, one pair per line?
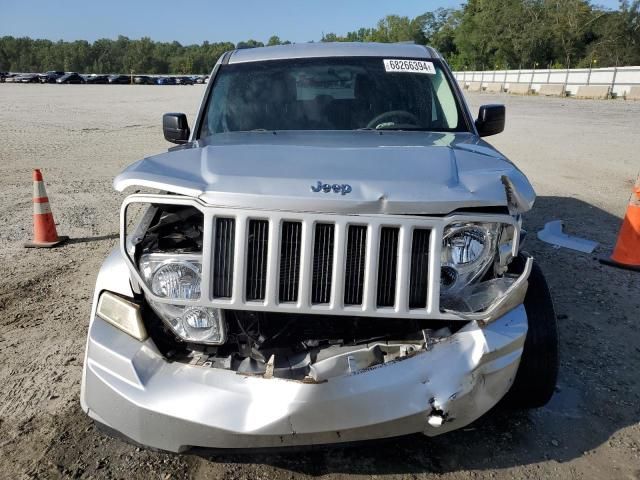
[537,374]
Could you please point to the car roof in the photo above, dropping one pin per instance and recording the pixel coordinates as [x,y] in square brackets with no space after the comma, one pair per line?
[332,49]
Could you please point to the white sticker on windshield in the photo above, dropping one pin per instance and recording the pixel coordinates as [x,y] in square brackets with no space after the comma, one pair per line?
[409,66]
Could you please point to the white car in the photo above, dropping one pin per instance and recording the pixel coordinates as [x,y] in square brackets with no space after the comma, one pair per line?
[333,255]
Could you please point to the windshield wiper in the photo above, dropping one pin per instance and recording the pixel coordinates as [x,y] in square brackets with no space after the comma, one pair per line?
[408,129]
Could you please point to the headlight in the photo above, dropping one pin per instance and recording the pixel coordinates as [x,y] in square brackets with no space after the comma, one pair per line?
[172,276]
[468,249]
[178,276]
[193,324]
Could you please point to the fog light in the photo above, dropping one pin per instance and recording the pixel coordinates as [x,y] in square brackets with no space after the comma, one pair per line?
[122,314]
[193,324]
[202,324]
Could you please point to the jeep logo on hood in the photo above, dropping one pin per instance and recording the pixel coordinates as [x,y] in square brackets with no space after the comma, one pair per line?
[342,189]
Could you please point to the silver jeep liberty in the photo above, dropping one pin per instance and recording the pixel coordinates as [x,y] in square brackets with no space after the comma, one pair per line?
[331,255]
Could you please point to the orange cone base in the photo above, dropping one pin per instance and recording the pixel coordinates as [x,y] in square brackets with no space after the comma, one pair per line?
[61,239]
[613,263]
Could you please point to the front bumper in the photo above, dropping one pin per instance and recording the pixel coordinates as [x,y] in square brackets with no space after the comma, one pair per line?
[129,387]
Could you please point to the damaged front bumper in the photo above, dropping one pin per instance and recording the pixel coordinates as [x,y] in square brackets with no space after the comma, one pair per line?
[130,387]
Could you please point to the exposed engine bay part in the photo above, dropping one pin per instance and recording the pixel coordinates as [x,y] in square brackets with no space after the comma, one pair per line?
[310,348]
[175,228]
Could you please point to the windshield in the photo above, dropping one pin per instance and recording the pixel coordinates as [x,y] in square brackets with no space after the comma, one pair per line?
[349,93]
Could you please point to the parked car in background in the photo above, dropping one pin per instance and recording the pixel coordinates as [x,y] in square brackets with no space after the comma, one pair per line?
[184,81]
[200,79]
[9,77]
[26,78]
[143,80]
[3,75]
[165,81]
[119,79]
[50,77]
[71,77]
[96,79]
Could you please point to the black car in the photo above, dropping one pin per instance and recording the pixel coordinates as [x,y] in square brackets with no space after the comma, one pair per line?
[119,80]
[71,77]
[96,79]
[165,81]
[184,81]
[50,77]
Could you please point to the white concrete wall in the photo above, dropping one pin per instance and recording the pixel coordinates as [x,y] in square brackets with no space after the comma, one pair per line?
[620,79]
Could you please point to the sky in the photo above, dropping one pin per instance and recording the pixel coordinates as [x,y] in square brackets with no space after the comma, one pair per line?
[194,21]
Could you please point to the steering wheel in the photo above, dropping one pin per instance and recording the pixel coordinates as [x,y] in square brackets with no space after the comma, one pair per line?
[378,120]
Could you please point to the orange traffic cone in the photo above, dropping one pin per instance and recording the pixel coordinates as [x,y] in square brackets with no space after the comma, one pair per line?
[44,228]
[626,253]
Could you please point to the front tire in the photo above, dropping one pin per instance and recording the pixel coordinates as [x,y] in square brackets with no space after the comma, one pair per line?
[537,374]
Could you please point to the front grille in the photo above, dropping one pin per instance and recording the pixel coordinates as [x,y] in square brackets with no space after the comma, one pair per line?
[366,266]
[322,263]
[257,244]
[387,267]
[419,276]
[290,261]
[223,244]
[354,268]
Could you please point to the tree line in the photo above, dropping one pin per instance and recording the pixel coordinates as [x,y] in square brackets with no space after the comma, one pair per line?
[481,34]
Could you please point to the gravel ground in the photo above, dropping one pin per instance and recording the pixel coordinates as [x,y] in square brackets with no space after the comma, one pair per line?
[582,157]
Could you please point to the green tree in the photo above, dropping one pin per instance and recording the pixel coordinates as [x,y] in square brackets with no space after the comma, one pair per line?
[482,33]
[249,44]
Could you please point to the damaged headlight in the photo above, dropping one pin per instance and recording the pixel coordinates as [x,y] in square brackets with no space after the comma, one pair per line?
[468,249]
[172,276]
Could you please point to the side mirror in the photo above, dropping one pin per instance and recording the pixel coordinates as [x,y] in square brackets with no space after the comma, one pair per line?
[490,120]
[175,127]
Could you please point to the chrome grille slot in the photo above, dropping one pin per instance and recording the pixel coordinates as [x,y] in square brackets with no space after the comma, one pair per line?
[387,267]
[289,281]
[257,247]
[355,261]
[223,248]
[419,276]
[322,263]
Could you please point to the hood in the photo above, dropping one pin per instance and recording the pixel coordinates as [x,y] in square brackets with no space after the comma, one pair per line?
[390,172]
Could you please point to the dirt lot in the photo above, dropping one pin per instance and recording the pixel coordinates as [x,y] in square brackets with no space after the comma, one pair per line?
[582,157]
